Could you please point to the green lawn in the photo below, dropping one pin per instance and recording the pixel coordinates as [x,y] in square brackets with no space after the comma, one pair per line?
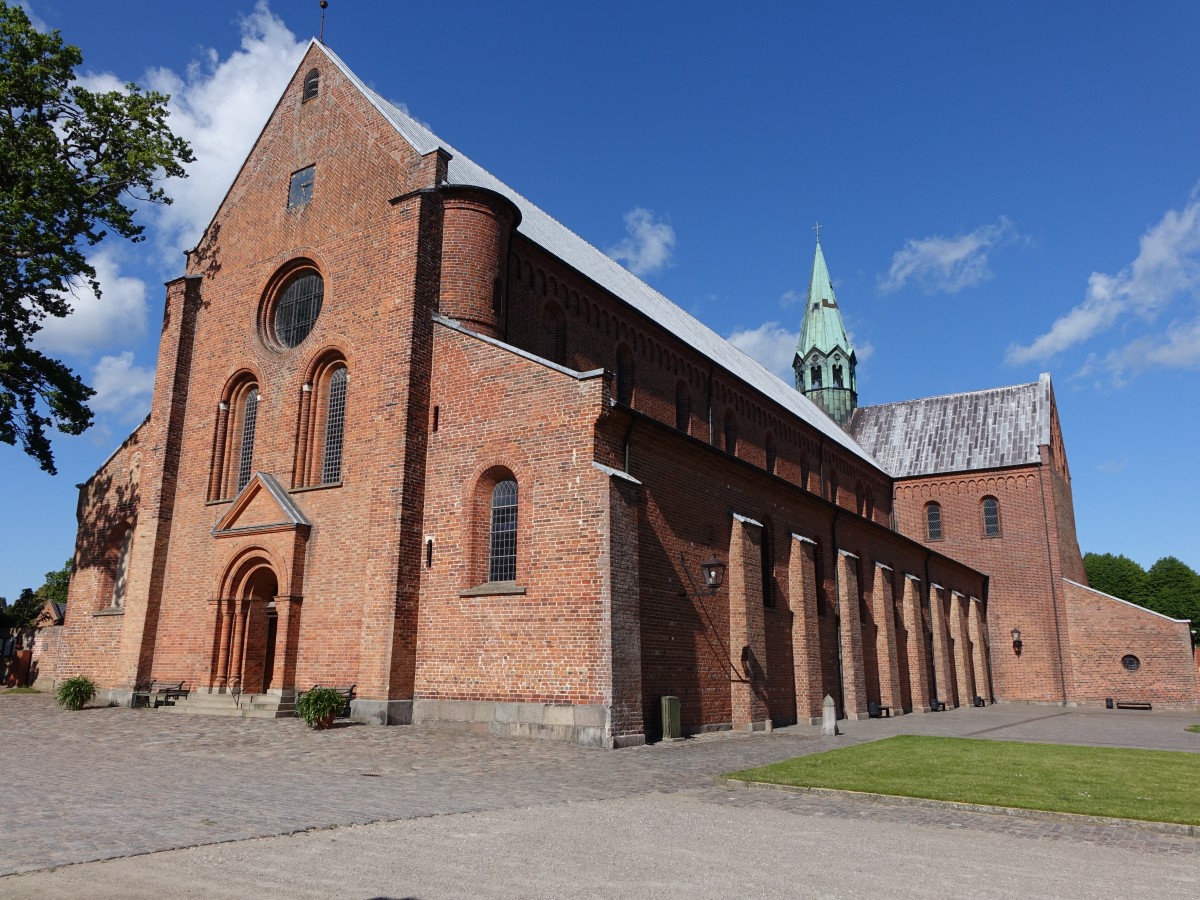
[1153,785]
[19,690]
[1195,728]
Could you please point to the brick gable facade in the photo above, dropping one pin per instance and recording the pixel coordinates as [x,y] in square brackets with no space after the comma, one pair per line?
[476,354]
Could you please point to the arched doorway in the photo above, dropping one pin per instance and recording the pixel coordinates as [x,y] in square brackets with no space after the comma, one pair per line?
[247,632]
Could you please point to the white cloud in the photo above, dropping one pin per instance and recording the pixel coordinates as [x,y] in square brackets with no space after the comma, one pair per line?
[770,344]
[647,245]
[1167,267]
[34,19]
[1177,348]
[114,319]
[789,298]
[219,107]
[947,265]
[123,390]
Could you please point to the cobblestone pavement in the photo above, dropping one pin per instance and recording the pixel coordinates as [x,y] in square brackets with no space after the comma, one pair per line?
[108,783]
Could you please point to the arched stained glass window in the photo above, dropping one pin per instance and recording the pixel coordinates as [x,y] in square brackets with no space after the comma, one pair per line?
[335,426]
[246,451]
[991,517]
[933,522]
[502,552]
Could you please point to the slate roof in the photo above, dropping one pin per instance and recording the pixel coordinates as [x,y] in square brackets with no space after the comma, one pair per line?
[957,432]
[547,232]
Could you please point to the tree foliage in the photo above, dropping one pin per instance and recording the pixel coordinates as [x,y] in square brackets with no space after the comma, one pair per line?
[23,610]
[1170,586]
[74,164]
[56,584]
[26,608]
[1174,589]
[1119,576]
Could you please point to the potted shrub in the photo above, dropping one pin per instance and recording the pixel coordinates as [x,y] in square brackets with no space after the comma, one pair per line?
[317,706]
[75,693]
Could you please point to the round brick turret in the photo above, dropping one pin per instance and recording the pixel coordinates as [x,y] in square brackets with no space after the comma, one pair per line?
[477,226]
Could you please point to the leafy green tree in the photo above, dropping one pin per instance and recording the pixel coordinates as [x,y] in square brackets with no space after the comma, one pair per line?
[1174,589]
[56,585]
[1119,576]
[23,610]
[73,165]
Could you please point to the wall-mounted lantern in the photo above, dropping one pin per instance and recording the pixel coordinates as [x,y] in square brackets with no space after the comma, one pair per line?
[1016,636]
[713,572]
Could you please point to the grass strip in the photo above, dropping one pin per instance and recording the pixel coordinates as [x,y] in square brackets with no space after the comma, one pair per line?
[1150,785]
[20,690]
[1195,728]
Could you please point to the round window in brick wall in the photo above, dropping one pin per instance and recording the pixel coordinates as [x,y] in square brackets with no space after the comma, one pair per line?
[1130,662]
[293,307]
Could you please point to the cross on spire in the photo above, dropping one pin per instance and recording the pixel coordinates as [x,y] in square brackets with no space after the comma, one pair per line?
[817,229]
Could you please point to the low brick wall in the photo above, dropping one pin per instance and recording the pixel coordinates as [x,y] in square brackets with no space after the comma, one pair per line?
[1105,630]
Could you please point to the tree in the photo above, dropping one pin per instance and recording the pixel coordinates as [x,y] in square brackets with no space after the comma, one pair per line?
[23,610]
[73,165]
[1174,589]
[56,585]
[1118,576]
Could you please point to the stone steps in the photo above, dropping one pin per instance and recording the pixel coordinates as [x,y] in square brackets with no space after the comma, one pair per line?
[249,706]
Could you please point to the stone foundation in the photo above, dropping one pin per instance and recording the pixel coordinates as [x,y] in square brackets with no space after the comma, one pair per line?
[587,725]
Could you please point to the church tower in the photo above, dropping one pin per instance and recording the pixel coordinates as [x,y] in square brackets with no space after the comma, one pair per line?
[825,362]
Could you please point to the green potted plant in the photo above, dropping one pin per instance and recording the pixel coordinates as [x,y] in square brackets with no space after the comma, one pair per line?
[75,693]
[317,706]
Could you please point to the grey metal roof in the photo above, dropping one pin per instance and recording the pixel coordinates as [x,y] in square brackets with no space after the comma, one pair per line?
[547,232]
[957,432]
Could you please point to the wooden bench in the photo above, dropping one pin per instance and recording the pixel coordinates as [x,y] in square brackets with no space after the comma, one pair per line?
[347,695]
[1130,704]
[875,711]
[936,705]
[159,693]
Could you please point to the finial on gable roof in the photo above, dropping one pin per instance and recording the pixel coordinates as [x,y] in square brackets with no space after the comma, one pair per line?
[324,6]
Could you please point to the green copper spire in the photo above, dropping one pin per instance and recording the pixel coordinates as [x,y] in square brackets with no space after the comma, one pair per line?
[825,362]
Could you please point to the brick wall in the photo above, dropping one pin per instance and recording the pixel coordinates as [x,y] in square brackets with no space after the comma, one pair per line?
[1104,630]
[380,582]
[1021,565]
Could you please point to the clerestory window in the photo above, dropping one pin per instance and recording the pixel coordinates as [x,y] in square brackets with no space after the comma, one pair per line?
[991,517]
[933,522]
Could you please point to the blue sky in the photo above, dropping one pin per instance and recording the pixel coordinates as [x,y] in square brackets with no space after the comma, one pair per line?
[1004,189]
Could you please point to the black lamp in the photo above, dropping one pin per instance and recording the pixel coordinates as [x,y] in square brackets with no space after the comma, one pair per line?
[713,571]
[1016,636]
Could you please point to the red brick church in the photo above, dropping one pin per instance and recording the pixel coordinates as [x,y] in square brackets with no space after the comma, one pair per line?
[411,434]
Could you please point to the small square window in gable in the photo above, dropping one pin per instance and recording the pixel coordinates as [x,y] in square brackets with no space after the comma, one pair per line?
[301,189]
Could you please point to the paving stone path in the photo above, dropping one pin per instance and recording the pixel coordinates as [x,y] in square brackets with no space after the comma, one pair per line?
[108,783]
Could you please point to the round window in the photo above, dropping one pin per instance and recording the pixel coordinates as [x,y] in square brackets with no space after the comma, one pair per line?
[297,307]
[1131,662]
